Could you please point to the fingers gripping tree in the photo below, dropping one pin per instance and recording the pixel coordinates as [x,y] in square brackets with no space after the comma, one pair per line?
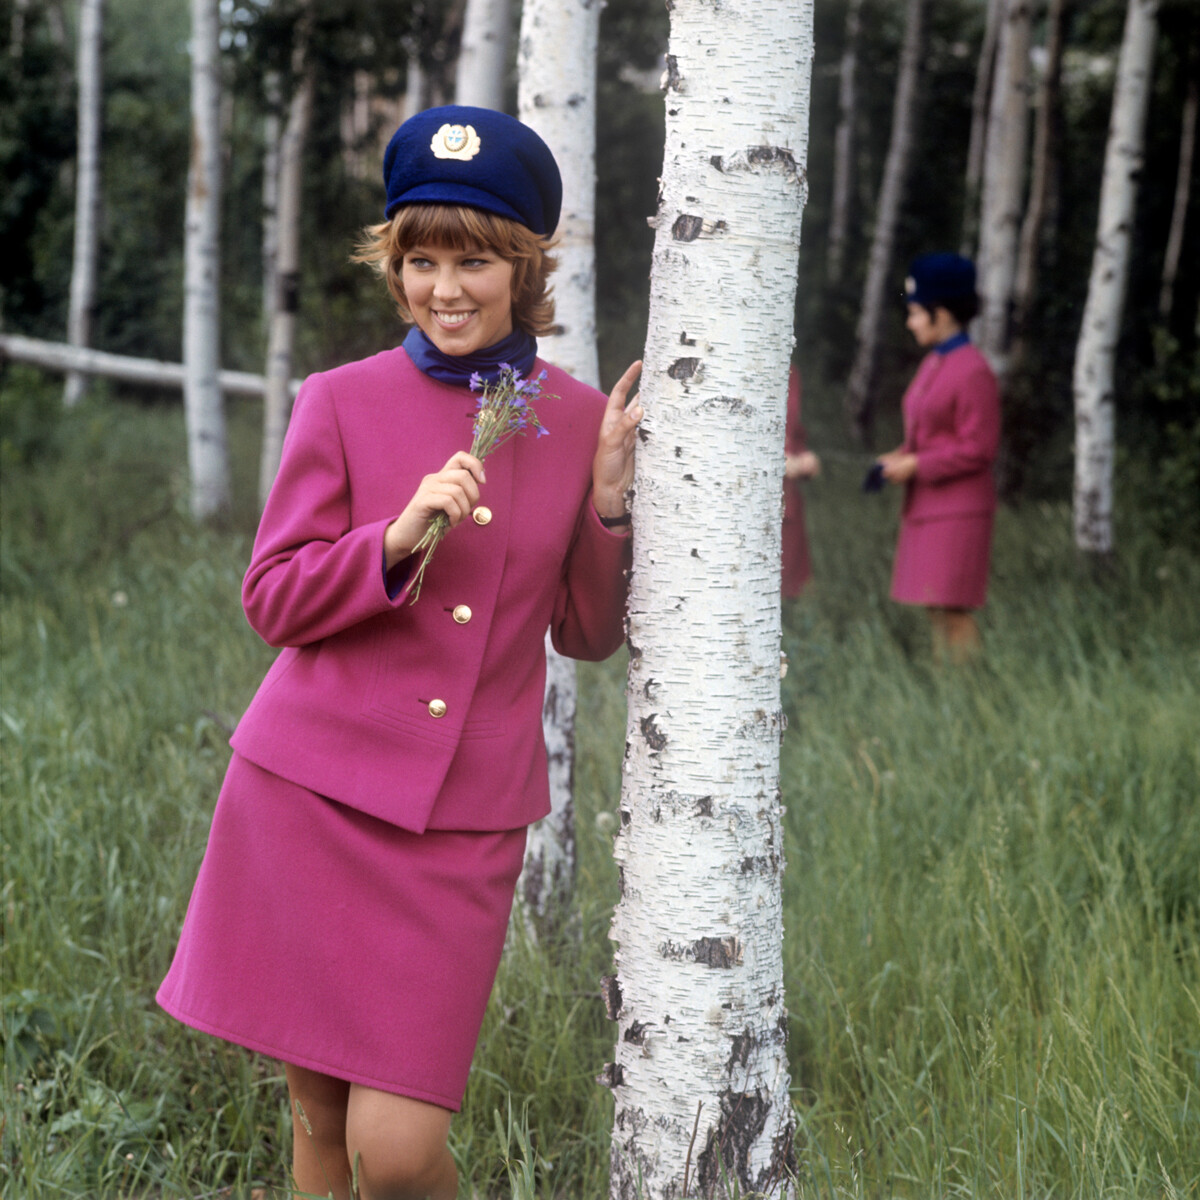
[700,1076]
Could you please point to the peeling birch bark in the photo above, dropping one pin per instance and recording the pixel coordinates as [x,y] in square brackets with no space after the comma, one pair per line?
[556,96]
[1096,351]
[700,1075]
[208,453]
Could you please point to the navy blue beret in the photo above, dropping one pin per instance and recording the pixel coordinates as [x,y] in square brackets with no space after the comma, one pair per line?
[475,157]
[935,278]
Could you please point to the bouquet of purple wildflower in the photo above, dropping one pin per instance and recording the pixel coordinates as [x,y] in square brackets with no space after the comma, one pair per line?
[503,409]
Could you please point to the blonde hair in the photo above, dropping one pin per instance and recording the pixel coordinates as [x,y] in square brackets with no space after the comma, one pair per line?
[459,227]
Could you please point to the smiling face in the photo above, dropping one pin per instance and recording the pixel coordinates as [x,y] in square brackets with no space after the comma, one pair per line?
[460,299]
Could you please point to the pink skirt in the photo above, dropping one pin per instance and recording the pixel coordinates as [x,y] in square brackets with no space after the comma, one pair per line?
[943,562]
[327,938]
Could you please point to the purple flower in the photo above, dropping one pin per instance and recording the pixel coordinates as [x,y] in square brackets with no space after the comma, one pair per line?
[542,431]
[476,381]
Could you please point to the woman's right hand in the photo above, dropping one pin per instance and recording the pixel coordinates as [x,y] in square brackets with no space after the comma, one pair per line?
[453,491]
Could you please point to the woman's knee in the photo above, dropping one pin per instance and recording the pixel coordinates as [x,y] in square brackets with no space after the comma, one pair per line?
[397,1145]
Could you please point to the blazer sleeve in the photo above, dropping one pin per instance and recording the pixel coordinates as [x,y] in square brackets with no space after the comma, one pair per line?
[312,575]
[589,608]
[976,437]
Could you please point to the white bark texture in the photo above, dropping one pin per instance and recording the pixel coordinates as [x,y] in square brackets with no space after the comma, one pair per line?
[843,145]
[1004,181]
[272,135]
[483,54]
[859,400]
[556,96]
[1096,351]
[277,406]
[87,187]
[700,1076]
[208,455]
[979,117]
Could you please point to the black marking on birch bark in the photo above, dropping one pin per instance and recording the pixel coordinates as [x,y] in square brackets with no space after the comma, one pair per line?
[671,83]
[654,737]
[723,952]
[610,993]
[718,162]
[683,368]
[760,155]
[689,478]
[704,804]
[687,227]
[695,552]
[613,1075]
[731,1143]
[678,451]
[636,1033]
[684,340]
[626,818]
[621,882]
[739,1054]
[575,99]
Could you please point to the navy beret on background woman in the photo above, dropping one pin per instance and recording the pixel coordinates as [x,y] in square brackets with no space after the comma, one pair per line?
[951,436]
[351,907]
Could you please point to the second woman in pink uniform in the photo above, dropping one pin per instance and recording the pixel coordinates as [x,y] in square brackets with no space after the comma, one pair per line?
[951,436]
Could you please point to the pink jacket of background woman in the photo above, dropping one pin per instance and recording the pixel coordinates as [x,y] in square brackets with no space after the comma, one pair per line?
[425,714]
[952,425]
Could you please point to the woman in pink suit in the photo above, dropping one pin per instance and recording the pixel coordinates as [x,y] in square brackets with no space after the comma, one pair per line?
[951,435]
[800,463]
[351,908]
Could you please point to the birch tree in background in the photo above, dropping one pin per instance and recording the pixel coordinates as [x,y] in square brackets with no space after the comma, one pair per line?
[859,399]
[204,412]
[87,188]
[1004,182]
[483,54]
[277,400]
[843,145]
[1095,354]
[1183,192]
[1045,165]
[556,96]
[700,1077]
[272,137]
[979,118]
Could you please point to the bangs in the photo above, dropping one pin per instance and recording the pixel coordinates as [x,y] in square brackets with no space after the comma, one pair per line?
[456,227]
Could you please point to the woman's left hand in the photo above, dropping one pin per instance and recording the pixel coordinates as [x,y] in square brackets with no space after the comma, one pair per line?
[612,468]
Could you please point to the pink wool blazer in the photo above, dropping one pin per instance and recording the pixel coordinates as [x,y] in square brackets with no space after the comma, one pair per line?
[952,425]
[350,707]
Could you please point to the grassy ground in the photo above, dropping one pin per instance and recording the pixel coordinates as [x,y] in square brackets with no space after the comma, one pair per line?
[993,960]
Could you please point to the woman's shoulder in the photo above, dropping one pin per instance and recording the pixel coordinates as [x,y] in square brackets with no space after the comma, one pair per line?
[560,384]
[383,365]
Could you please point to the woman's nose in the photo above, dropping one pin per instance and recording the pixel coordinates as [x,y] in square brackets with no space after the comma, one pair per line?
[446,286]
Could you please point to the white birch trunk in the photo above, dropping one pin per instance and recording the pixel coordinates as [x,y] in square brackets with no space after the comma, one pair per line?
[87,188]
[843,145]
[277,404]
[859,400]
[1183,192]
[208,455]
[1004,182]
[272,133]
[556,96]
[1044,160]
[1095,353]
[701,1076]
[979,117]
[414,84]
[483,54]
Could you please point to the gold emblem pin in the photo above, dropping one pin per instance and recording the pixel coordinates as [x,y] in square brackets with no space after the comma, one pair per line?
[455,141]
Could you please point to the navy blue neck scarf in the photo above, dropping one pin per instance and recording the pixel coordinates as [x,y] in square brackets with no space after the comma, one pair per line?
[953,342]
[518,350]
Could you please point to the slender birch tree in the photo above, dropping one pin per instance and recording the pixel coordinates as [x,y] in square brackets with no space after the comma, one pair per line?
[272,138]
[556,96]
[87,187]
[208,454]
[1004,182]
[700,1076]
[1095,353]
[1183,192]
[843,145]
[277,404]
[859,399]
[483,54]
[980,98]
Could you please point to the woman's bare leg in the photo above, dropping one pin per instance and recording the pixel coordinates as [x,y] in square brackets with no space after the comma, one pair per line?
[956,638]
[320,1164]
[399,1145]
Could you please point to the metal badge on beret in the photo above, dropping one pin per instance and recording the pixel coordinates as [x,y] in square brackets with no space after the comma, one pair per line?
[455,141]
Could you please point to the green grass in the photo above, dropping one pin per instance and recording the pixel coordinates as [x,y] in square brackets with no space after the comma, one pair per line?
[991,900]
